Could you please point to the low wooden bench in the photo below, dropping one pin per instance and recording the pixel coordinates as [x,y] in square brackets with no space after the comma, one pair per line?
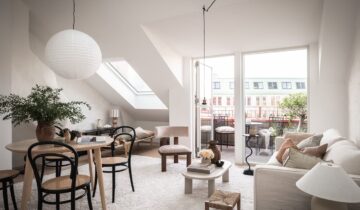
[223,200]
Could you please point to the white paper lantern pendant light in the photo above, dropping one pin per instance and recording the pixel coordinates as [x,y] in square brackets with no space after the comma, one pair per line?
[73,54]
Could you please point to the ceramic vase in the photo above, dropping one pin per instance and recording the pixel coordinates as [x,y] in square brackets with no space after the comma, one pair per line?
[216,151]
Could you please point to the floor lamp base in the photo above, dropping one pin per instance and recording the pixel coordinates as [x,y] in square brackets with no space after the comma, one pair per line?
[249,172]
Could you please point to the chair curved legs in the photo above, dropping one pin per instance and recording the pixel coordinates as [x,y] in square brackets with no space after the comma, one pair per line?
[131,179]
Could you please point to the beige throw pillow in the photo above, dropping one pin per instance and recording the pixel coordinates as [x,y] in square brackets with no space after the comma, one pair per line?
[297,137]
[285,145]
[312,141]
[318,151]
[297,159]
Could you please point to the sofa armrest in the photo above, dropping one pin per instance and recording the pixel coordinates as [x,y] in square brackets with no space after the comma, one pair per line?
[275,188]
[278,142]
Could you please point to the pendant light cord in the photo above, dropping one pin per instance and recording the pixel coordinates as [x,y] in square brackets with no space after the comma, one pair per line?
[74,7]
[204,41]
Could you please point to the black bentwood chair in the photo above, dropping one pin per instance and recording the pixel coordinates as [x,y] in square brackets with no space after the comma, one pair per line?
[127,133]
[61,184]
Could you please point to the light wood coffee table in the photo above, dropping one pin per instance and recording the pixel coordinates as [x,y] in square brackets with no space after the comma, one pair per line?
[218,172]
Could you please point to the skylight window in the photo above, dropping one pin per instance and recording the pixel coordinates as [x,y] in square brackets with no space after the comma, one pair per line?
[130,77]
[122,78]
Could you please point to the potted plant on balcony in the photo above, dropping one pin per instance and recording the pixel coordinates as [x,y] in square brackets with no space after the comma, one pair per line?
[42,105]
[295,105]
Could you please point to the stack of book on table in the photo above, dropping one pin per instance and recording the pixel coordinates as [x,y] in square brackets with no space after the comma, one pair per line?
[204,168]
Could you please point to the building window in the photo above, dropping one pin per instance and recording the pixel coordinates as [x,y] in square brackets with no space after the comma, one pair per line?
[249,100]
[272,85]
[214,100]
[264,100]
[257,101]
[231,85]
[246,85]
[216,85]
[258,85]
[228,101]
[286,85]
[219,101]
[300,85]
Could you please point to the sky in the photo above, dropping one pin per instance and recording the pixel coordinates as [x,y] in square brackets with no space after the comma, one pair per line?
[275,64]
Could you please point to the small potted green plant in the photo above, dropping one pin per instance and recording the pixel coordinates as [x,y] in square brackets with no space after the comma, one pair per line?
[42,105]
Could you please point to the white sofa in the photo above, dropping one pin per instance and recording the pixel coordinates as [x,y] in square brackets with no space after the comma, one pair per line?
[274,185]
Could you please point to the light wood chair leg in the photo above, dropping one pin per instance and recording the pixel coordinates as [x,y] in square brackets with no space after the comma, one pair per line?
[163,163]
[238,204]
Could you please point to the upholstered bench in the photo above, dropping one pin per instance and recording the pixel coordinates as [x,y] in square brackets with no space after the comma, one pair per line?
[174,150]
[223,200]
[165,132]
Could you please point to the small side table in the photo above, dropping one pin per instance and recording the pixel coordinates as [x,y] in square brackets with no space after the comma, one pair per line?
[223,200]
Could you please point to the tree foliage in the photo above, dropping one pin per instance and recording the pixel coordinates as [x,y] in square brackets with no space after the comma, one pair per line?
[42,105]
[295,105]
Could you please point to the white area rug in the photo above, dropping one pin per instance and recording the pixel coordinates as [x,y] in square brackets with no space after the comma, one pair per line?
[156,190]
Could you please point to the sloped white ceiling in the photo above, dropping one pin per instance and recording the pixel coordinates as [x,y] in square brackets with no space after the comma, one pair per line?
[232,26]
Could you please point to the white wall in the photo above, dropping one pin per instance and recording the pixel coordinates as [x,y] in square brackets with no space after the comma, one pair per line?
[180,100]
[27,70]
[354,88]
[329,107]
[5,77]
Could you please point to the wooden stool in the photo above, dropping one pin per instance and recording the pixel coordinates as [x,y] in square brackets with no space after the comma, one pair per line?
[6,178]
[223,200]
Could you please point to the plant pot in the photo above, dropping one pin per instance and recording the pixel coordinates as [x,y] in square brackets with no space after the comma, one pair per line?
[45,131]
[216,151]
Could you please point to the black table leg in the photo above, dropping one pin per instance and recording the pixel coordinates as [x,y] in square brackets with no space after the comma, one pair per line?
[248,171]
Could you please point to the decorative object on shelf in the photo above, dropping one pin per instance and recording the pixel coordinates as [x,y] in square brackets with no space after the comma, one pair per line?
[42,105]
[115,117]
[206,156]
[73,54]
[219,163]
[67,135]
[330,186]
[98,123]
[215,150]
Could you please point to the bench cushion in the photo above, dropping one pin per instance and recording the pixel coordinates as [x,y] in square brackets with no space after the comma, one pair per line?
[173,149]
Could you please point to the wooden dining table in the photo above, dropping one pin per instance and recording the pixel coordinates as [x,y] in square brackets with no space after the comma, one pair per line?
[21,147]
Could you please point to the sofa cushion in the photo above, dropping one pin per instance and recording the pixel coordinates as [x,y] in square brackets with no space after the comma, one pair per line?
[346,154]
[285,145]
[297,159]
[331,136]
[318,151]
[312,141]
[273,161]
[297,137]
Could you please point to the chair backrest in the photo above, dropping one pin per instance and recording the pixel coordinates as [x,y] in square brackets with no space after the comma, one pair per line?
[171,131]
[59,131]
[124,131]
[34,156]
[221,120]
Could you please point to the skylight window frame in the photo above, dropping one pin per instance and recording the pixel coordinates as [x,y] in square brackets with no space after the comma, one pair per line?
[114,70]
